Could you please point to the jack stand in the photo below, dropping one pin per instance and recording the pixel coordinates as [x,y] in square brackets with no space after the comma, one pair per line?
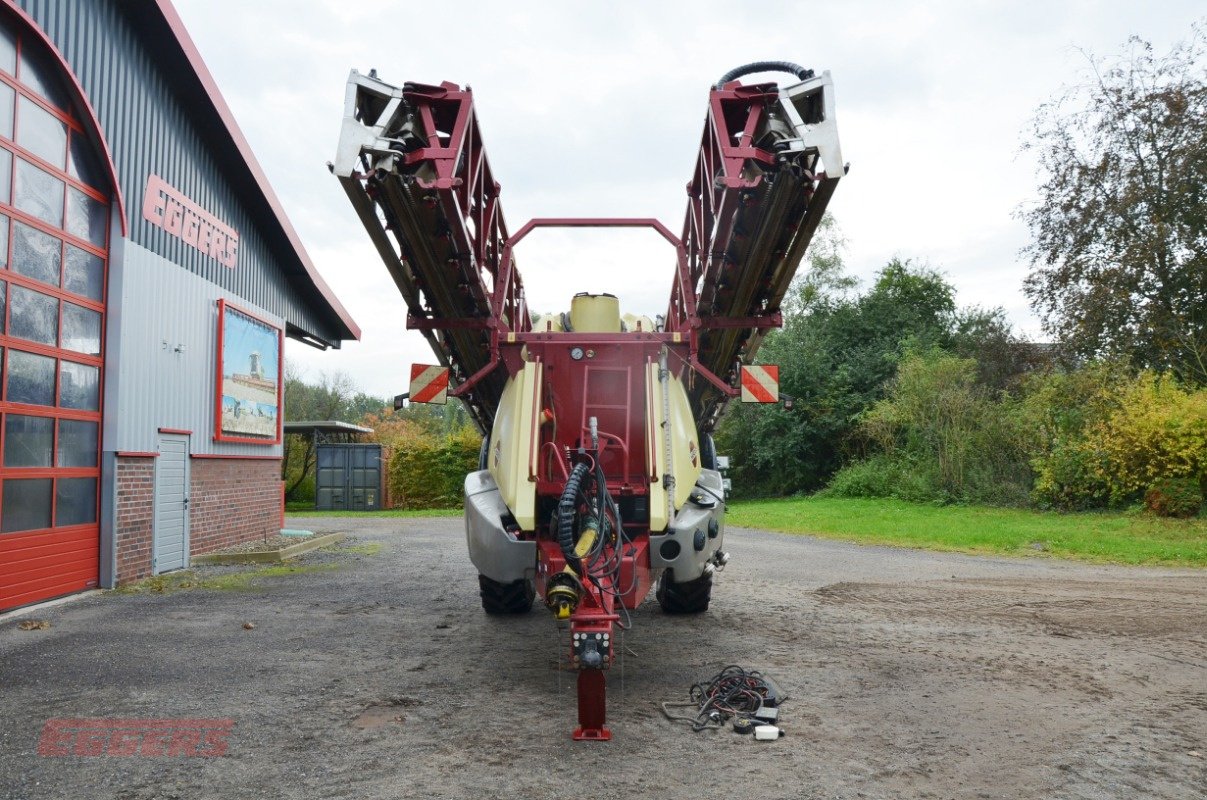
[592,707]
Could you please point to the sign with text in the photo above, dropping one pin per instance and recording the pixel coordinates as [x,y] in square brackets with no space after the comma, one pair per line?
[135,737]
[169,208]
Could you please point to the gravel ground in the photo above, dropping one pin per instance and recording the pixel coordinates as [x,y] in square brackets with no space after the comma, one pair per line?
[373,673]
[264,545]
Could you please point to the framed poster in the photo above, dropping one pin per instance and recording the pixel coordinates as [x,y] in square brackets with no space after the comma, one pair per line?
[248,397]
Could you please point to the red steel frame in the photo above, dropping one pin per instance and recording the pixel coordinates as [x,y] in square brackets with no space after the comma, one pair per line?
[219,435]
[464,189]
[508,284]
[454,171]
[716,189]
[597,612]
[464,185]
[566,397]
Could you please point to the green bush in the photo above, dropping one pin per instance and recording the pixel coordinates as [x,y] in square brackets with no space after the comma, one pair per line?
[1058,408]
[838,349]
[896,476]
[429,471]
[1070,477]
[1158,433]
[1107,439]
[1175,497]
[940,437]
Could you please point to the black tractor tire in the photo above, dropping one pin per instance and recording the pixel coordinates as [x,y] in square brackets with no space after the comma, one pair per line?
[689,597]
[506,598]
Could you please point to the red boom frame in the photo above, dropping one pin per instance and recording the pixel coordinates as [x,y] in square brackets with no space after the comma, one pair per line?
[755,199]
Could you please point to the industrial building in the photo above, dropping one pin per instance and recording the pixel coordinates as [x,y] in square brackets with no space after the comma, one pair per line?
[149,278]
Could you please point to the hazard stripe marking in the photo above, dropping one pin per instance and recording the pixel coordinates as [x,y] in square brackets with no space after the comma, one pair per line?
[429,384]
[761,384]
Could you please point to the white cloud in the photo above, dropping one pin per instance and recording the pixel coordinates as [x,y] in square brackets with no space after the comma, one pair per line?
[596,110]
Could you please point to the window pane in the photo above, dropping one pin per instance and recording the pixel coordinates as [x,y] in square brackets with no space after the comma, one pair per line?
[26,505]
[81,329]
[7,96]
[30,378]
[36,254]
[3,301]
[85,274]
[33,316]
[84,164]
[79,386]
[28,440]
[75,501]
[39,193]
[6,175]
[3,236]
[8,51]
[41,74]
[86,218]
[77,443]
[41,133]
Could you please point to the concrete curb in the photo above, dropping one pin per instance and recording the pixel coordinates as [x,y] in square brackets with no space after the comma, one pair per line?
[269,556]
[25,611]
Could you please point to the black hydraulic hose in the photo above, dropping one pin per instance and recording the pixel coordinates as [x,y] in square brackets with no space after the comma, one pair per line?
[605,505]
[765,66]
[566,507]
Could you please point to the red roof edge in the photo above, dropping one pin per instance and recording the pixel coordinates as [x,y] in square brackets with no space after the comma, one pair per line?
[228,119]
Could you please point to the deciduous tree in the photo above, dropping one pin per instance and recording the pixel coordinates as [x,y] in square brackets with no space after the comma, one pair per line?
[1119,251]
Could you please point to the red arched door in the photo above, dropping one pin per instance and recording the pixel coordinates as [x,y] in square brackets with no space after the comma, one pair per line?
[54,226]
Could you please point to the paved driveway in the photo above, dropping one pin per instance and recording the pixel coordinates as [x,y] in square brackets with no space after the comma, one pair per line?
[372,673]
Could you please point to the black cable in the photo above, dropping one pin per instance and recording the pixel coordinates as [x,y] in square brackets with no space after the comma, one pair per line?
[732,692]
[765,66]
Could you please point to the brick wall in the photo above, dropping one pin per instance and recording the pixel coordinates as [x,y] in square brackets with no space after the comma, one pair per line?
[233,501]
[135,517]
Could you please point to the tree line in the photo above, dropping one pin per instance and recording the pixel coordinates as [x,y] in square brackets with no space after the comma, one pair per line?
[898,391]
[440,434]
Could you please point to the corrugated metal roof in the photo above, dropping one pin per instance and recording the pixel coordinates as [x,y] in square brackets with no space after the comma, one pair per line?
[219,107]
[157,110]
[325,426]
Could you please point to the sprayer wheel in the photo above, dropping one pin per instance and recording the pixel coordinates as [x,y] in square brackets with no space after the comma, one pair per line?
[506,598]
[689,597]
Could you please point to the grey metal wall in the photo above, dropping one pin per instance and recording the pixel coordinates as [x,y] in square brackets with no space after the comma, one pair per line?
[156,125]
[161,357]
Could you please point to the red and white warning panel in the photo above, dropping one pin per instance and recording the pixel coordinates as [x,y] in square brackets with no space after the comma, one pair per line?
[760,384]
[429,384]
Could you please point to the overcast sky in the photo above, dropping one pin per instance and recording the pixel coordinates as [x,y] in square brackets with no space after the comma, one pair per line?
[595,110]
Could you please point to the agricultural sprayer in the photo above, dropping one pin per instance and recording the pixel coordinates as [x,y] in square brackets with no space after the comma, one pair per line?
[598,477]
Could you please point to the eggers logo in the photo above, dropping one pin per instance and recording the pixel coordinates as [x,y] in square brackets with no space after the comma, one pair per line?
[168,208]
[135,737]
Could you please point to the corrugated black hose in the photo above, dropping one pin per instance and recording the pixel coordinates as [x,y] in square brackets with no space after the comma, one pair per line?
[566,508]
[765,66]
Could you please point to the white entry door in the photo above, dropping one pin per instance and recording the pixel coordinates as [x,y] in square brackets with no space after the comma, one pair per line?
[170,541]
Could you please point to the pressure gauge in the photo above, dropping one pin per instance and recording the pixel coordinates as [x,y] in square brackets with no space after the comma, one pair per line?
[576,353]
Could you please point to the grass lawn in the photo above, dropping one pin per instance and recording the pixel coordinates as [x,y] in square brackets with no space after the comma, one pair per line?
[1124,538]
[308,511]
